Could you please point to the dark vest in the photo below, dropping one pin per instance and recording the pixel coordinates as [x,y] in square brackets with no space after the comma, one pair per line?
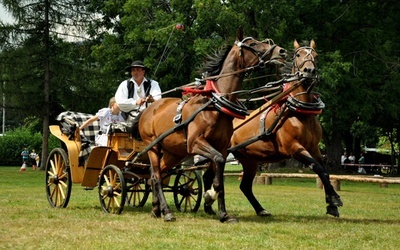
[131,87]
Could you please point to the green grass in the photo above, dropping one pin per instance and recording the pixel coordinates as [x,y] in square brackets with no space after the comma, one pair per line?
[370,219]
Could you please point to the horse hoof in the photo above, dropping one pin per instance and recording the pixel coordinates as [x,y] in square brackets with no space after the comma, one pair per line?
[155,215]
[209,210]
[332,210]
[264,213]
[229,219]
[334,200]
[169,217]
[208,200]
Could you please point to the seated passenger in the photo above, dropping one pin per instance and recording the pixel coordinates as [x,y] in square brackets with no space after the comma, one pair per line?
[106,117]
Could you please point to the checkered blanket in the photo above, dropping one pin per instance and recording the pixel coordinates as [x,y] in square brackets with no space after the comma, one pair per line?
[88,134]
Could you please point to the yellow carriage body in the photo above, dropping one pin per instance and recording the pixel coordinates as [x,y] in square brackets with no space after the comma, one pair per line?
[121,148]
[74,148]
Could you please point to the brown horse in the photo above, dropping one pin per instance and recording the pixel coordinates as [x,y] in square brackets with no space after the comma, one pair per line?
[203,124]
[291,129]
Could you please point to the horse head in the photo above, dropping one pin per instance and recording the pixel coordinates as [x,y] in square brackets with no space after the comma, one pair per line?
[304,66]
[245,55]
[305,59]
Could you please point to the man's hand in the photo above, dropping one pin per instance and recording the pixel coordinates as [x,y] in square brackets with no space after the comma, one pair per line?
[149,98]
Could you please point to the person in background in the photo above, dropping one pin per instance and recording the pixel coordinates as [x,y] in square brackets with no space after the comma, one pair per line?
[25,159]
[352,158]
[136,93]
[32,159]
[37,159]
[361,170]
[361,160]
[343,158]
[106,117]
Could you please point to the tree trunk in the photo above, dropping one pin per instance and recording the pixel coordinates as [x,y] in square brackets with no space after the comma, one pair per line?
[46,89]
[334,151]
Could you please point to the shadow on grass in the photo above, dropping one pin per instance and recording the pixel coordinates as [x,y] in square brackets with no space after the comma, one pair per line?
[314,219]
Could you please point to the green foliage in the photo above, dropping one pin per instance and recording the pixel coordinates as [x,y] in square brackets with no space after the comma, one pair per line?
[12,144]
[356,41]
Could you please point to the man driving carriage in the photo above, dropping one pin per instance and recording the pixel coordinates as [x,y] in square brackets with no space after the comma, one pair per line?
[136,93]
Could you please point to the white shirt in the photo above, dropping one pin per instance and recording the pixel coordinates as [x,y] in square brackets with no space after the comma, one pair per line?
[129,104]
[106,117]
[343,158]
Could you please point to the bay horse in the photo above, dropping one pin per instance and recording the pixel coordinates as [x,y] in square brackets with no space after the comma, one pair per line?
[202,125]
[286,129]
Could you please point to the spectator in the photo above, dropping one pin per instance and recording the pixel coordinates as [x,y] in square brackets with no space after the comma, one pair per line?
[352,158]
[361,170]
[25,158]
[343,158]
[134,94]
[106,116]
[32,157]
[37,159]
[361,160]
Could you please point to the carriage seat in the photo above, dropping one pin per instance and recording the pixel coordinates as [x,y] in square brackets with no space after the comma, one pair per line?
[87,135]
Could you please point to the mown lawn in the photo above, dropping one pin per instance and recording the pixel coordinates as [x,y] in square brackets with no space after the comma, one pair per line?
[370,219]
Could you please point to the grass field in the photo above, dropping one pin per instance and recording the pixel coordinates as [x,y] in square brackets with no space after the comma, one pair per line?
[370,219]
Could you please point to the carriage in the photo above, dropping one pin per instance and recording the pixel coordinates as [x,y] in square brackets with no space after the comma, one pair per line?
[172,130]
[110,168]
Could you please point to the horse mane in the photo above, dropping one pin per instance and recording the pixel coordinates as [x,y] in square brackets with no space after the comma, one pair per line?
[214,62]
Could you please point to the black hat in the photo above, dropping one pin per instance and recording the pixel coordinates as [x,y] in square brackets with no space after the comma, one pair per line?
[137,64]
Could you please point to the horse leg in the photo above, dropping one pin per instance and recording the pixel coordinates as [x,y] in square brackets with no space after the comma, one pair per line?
[159,202]
[155,212]
[208,180]
[246,185]
[331,197]
[217,190]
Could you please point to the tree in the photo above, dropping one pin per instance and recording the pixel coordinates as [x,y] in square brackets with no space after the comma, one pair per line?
[34,36]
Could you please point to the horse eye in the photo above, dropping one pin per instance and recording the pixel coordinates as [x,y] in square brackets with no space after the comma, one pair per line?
[297,55]
[253,44]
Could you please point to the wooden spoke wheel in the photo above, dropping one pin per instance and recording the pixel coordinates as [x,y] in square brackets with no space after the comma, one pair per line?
[58,178]
[112,190]
[188,188]
[138,192]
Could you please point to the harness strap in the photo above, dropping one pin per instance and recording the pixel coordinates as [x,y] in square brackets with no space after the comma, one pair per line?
[261,136]
[170,131]
[178,118]
[262,120]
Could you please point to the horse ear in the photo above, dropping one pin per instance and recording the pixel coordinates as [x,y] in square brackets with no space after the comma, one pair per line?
[296,44]
[239,33]
[313,44]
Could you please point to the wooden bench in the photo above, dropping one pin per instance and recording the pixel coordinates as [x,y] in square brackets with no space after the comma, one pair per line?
[266,179]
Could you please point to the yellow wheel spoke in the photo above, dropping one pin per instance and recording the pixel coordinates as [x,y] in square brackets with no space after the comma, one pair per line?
[116,202]
[63,183]
[53,167]
[62,192]
[117,186]
[53,192]
[106,180]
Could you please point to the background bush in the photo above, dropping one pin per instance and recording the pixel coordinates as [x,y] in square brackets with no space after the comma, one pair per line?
[12,144]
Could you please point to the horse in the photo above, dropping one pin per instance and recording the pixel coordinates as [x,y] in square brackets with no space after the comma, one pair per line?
[175,130]
[288,128]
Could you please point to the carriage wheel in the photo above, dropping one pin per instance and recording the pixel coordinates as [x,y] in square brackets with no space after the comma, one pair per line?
[58,178]
[112,190]
[138,193]
[188,191]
